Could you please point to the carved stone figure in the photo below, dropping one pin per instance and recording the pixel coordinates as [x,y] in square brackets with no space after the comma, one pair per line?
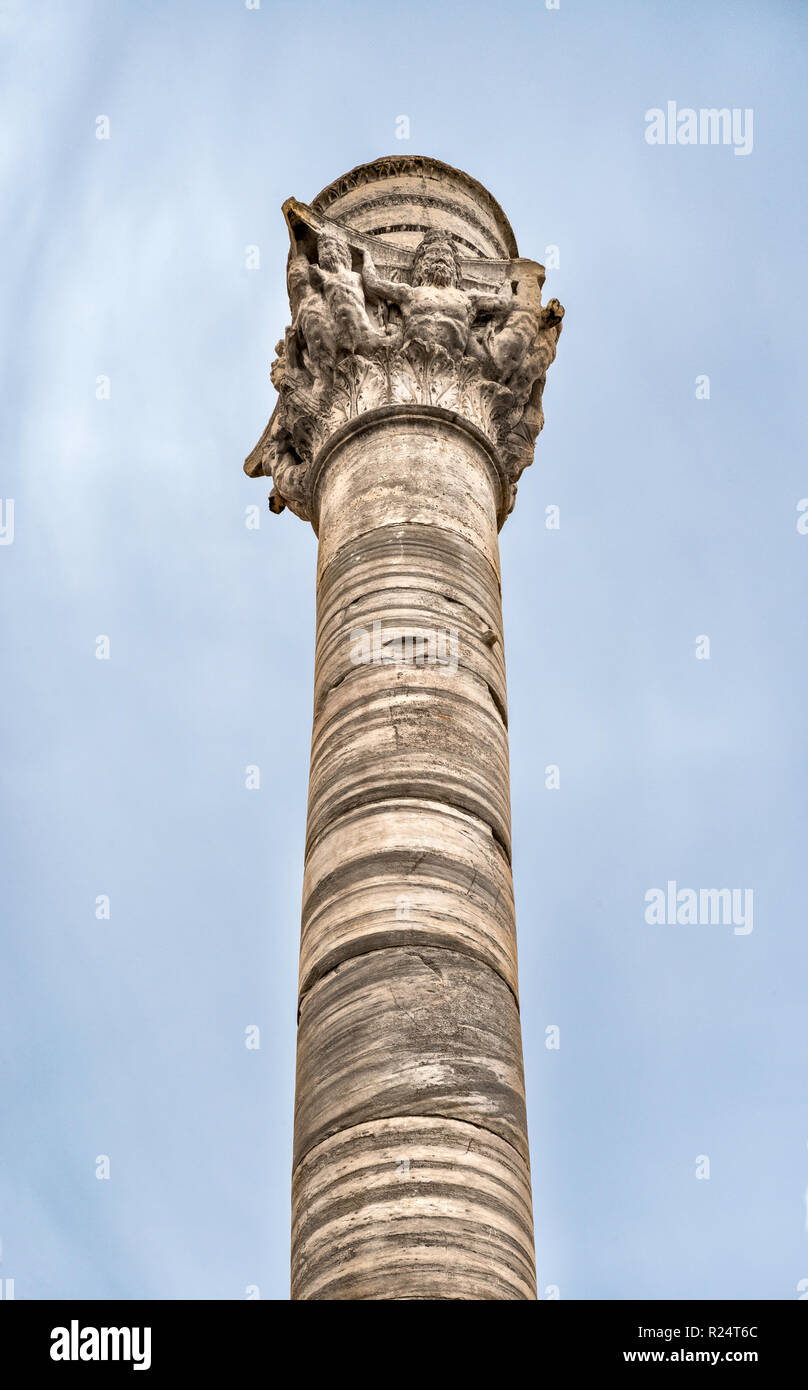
[360,339]
[343,292]
[330,312]
[436,310]
[522,346]
[313,335]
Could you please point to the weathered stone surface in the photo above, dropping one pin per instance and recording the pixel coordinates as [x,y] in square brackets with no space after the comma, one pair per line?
[420,732]
[410,576]
[407,466]
[412,1208]
[400,197]
[410,396]
[385,725]
[406,873]
[409,1031]
[379,323]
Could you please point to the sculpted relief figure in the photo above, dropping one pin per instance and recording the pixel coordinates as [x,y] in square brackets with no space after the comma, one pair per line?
[329,309]
[329,316]
[436,312]
[335,361]
[526,358]
[512,339]
[518,348]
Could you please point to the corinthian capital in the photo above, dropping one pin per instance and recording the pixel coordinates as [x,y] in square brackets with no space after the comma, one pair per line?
[397,315]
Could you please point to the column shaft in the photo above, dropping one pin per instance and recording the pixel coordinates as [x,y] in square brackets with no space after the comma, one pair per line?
[411,1175]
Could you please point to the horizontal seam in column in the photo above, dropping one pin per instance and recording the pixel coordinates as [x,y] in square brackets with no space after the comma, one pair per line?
[396,586]
[390,526]
[385,1119]
[402,796]
[406,946]
[361,669]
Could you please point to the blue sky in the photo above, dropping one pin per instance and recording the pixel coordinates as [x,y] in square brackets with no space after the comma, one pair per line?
[125,258]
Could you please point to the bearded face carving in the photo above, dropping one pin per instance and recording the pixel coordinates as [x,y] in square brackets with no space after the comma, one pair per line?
[436,261]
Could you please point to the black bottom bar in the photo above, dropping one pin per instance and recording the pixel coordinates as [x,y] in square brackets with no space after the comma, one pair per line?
[220,1340]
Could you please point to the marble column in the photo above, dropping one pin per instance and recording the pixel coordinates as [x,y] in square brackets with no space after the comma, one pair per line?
[409,399]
